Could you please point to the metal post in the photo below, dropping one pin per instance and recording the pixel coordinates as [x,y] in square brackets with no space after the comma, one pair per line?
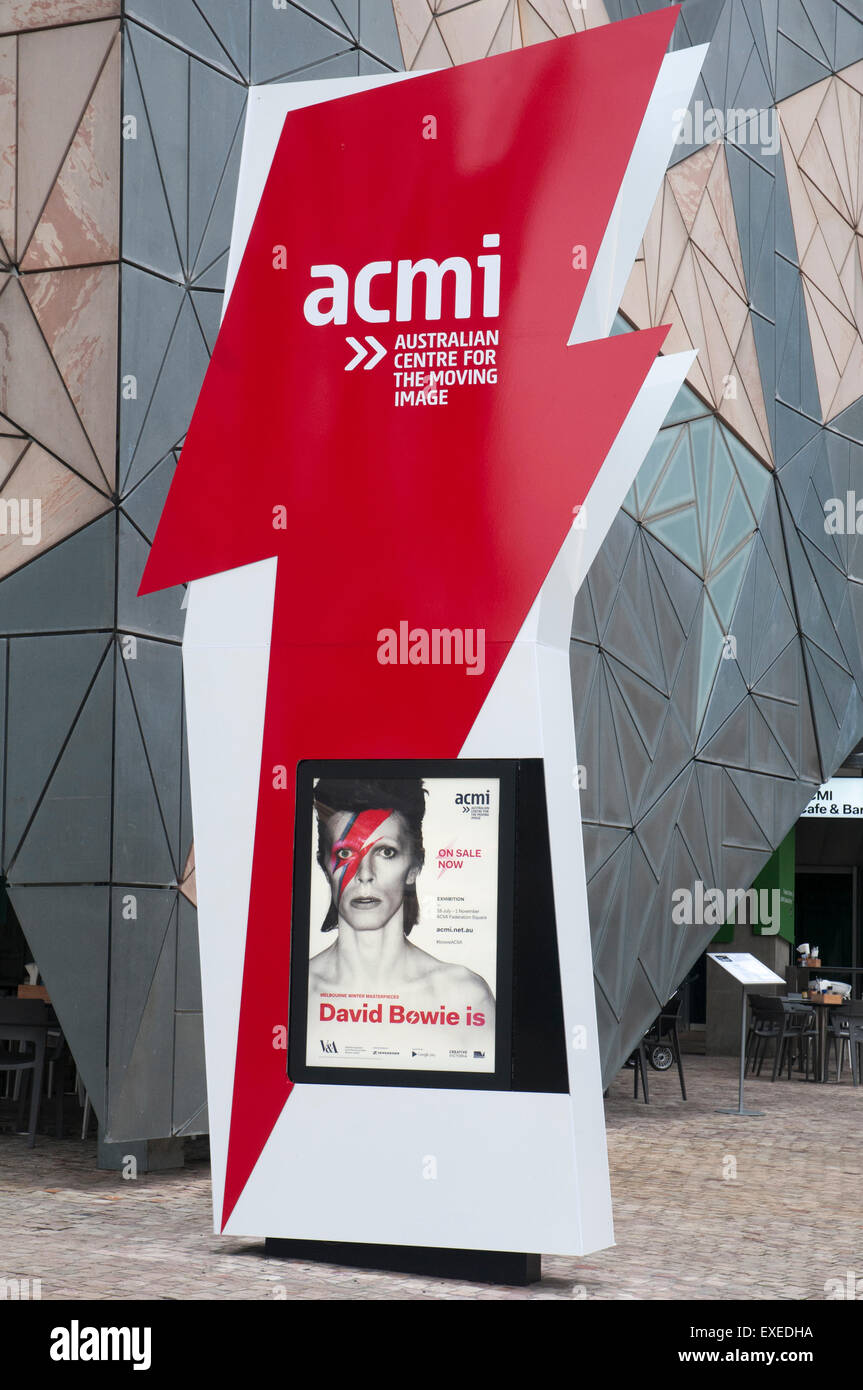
[740,1110]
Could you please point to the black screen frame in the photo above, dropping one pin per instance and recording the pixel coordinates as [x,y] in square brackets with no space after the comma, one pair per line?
[298,1068]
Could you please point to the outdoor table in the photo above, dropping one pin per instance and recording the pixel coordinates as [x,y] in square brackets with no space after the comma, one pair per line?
[822,1014]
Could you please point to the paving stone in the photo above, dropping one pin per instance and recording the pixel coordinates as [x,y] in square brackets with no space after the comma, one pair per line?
[684,1231]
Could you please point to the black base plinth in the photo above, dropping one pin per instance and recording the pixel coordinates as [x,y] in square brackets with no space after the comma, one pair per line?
[476,1266]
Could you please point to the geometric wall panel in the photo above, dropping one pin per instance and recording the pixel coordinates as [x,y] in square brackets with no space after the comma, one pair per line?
[822,145]
[66,503]
[76,311]
[697,765]
[148,766]
[59,232]
[49,681]
[33,393]
[143,505]
[223,43]
[71,588]
[441,33]
[762,50]
[689,273]
[186,71]
[188,887]
[67,838]
[78,211]
[700,493]
[67,161]
[189,1114]
[63,926]
[33,14]
[109,308]
[165,617]
[141,1063]
[285,40]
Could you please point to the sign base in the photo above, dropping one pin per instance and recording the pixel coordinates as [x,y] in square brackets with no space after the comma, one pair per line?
[735,1110]
[476,1266]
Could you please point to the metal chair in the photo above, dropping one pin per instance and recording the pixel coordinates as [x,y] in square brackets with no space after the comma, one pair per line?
[662,1041]
[638,1062]
[800,1029]
[852,1014]
[26,1021]
[787,1025]
[839,1040]
[57,1058]
[765,1022]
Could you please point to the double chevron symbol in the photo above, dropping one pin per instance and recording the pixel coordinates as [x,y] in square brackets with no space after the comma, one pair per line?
[361,351]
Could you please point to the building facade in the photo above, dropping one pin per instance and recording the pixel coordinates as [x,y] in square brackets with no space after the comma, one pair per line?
[716,657]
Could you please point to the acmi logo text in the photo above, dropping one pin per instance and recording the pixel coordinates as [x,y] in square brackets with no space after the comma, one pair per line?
[330,303]
[77,1343]
[472,798]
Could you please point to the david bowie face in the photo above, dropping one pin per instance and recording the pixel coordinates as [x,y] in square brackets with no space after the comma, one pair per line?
[370,865]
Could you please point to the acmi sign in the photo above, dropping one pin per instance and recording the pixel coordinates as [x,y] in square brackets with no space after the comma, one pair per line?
[841,799]
[330,303]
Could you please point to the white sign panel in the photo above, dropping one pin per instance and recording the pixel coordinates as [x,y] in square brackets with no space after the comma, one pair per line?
[515,1170]
[749,970]
[839,799]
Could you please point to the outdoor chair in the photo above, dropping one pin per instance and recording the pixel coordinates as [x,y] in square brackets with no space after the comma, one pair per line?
[788,1026]
[638,1062]
[662,1041]
[24,1022]
[800,1029]
[847,1027]
[765,1023]
[57,1058]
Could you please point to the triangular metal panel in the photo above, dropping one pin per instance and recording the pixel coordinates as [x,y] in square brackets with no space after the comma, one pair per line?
[141,919]
[49,679]
[65,926]
[140,1106]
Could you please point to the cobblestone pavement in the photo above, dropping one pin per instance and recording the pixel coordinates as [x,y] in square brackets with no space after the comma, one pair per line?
[706,1206]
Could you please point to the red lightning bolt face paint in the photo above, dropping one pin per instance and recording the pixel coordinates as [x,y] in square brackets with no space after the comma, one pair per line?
[358,840]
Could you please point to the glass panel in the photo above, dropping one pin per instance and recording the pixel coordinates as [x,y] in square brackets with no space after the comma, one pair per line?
[823,912]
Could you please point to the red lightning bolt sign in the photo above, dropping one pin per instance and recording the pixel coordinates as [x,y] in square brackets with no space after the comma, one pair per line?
[448,515]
